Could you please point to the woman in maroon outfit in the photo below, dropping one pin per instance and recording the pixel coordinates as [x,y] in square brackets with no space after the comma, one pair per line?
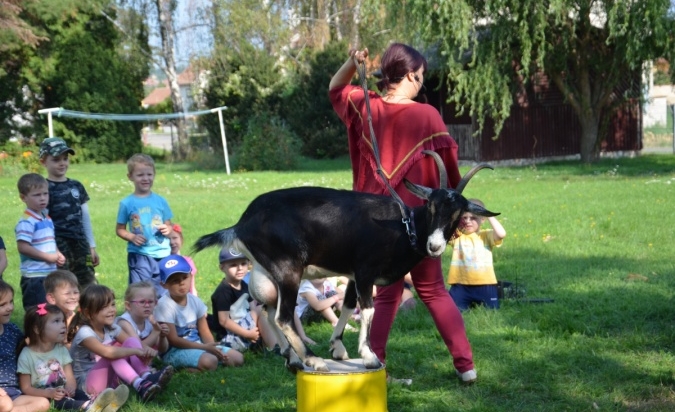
[403,128]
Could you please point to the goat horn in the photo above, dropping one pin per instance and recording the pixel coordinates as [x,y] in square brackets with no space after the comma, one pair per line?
[465,179]
[441,167]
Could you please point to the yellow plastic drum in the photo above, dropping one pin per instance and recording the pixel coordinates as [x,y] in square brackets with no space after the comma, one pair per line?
[348,386]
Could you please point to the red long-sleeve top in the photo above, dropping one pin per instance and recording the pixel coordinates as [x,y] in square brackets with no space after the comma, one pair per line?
[402,131]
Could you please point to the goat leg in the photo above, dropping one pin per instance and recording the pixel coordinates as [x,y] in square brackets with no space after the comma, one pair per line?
[337,347]
[370,360]
[285,321]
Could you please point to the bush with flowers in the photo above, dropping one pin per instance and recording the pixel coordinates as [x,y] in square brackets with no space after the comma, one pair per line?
[17,158]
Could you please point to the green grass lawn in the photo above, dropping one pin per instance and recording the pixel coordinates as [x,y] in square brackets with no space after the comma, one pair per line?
[596,239]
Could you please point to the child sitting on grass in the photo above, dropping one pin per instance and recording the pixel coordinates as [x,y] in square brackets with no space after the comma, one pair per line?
[239,328]
[472,275]
[191,343]
[45,366]
[11,397]
[316,300]
[98,362]
[138,320]
[63,291]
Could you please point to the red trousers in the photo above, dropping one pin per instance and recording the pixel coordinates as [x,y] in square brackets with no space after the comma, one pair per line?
[427,278]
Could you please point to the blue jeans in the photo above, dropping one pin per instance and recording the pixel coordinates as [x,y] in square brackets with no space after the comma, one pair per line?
[33,291]
[467,295]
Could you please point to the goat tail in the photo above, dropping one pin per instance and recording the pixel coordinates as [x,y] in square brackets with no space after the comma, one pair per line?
[220,238]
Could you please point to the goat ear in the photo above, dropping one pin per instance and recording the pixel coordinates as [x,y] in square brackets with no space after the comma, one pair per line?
[419,191]
[480,210]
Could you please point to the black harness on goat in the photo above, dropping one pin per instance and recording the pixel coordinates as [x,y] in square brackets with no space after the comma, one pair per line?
[408,214]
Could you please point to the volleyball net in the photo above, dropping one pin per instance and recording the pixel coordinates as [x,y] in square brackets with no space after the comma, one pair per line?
[61,112]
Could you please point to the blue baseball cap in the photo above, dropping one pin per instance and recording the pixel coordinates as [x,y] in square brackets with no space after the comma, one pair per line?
[230,254]
[171,265]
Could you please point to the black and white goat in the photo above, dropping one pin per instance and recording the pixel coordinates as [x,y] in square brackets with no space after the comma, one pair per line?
[312,232]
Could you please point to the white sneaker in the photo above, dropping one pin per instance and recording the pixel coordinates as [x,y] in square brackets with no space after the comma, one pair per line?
[404,382]
[468,377]
[121,394]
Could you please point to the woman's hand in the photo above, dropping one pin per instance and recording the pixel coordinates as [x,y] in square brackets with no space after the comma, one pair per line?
[345,73]
[358,55]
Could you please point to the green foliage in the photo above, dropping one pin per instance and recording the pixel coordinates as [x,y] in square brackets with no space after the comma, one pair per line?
[82,67]
[661,79]
[249,84]
[163,107]
[491,49]
[309,111]
[268,144]
[17,159]
[89,75]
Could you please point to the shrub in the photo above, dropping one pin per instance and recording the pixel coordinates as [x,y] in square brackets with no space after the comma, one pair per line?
[208,160]
[328,142]
[268,144]
[309,111]
[19,159]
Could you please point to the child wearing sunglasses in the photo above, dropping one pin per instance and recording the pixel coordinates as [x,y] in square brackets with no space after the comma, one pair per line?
[138,320]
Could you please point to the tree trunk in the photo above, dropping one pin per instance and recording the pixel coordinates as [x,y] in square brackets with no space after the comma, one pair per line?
[356,26]
[590,141]
[165,13]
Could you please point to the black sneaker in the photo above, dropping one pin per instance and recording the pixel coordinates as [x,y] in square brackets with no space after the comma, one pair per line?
[162,377]
[148,390]
[276,350]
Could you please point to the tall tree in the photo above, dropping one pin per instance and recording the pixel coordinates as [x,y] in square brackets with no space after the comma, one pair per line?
[165,13]
[250,65]
[84,68]
[160,17]
[12,25]
[18,38]
[587,47]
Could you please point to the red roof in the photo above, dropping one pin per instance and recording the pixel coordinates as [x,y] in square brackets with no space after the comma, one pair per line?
[156,96]
[187,77]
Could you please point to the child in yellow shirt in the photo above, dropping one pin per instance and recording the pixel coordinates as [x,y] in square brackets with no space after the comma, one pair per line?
[472,275]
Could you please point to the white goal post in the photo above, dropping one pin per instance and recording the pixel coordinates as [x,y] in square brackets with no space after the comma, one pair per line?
[59,111]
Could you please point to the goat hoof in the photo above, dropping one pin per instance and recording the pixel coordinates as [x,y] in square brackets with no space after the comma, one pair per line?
[371,362]
[317,364]
[338,351]
[293,368]
[339,354]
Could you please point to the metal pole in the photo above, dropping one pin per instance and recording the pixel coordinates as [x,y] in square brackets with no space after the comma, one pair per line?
[672,109]
[222,136]
[49,118]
